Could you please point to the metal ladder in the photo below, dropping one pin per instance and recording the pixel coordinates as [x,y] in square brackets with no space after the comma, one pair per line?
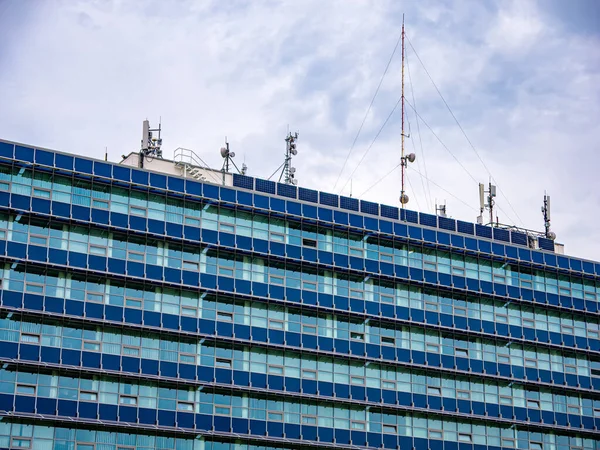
[191,164]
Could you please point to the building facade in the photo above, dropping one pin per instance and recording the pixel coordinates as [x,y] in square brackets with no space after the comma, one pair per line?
[143,310]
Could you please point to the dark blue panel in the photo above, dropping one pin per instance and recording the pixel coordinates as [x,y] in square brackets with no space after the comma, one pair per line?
[546,244]
[294,208]
[7,150]
[518,238]
[501,234]
[24,153]
[9,350]
[22,202]
[328,199]
[158,181]
[308,195]
[409,216]
[175,184]
[483,231]
[369,207]
[67,408]
[465,227]
[447,224]
[167,418]
[348,203]
[47,406]
[428,219]
[108,412]
[286,190]
[243,181]
[391,212]
[265,186]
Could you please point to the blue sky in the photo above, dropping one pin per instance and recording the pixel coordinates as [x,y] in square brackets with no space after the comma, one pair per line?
[522,77]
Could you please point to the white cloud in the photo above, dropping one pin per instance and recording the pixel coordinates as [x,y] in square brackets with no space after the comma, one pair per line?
[78,76]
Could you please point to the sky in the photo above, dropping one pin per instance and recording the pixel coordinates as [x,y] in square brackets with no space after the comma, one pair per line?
[519,104]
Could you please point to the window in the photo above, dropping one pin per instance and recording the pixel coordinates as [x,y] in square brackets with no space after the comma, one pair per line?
[385,298]
[25,389]
[309,285]
[276,279]
[137,211]
[189,311]
[88,396]
[357,336]
[136,256]
[277,237]
[275,370]
[34,288]
[91,346]
[533,404]
[566,329]
[385,384]
[506,400]
[226,227]
[97,250]
[432,348]
[357,380]
[191,265]
[223,363]
[20,442]
[131,351]
[507,442]
[528,323]
[224,316]
[501,318]
[187,358]
[465,437]
[358,425]
[461,353]
[385,340]
[436,434]
[309,420]
[133,302]
[85,446]
[596,412]
[432,390]
[185,406]
[463,395]
[503,359]
[574,409]
[223,410]
[531,363]
[310,374]
[276,324]
[4,186]
[459,311]
[128,400]
[389,429]
[309,242]
[275,416]
[96,297]
[30,338]
[569,368]
[38,240]
[535,446]
[42,193]
[102,204]
[309,329]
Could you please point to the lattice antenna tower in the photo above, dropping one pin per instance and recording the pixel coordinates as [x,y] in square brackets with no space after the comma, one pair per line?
[404,159]
[288,173]
[151,144]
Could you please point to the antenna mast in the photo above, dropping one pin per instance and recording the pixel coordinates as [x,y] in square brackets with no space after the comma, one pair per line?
[288,172]
[404,160]
[546,212]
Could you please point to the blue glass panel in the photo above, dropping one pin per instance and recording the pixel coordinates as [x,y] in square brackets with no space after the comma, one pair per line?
[24,153]
[428,219]
[349,203]
[465,227]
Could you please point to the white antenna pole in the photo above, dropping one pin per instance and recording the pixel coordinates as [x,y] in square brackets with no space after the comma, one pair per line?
[404,159]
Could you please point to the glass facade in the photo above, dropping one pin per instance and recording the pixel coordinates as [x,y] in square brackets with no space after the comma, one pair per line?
[144,310]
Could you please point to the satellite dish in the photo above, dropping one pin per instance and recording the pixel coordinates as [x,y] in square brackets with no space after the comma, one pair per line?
[551,235]
[404,199]
[411,157]
[294,182]
[292,170]
[224,152]
[232,154]
[293,151]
